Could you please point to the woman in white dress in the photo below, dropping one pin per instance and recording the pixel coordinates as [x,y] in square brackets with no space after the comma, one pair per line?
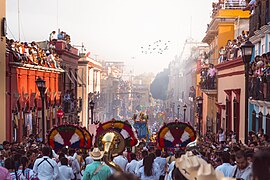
[149,170]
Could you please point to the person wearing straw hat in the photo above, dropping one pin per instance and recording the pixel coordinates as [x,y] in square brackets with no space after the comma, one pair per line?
[193,167]
[96,170]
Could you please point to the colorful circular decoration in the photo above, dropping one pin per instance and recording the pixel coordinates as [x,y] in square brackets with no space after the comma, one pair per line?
[66,135]
[88,139]
[122,127]
[176,135]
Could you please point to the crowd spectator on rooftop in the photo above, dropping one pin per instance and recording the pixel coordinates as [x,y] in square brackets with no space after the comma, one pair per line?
[32,54]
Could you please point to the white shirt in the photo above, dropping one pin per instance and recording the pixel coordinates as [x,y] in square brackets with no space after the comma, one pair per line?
[75,167]
[226,168]
[155,173]
[245,173]
[88,160]
[162,165]
[66,173]
[139,165]
[131,167]
[221,136]
[171,166]
[121,161]
[44,171]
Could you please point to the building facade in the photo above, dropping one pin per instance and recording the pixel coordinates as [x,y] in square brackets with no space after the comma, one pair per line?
[259,92]
[4,132]
[89,72]
[228,24]
[24,105]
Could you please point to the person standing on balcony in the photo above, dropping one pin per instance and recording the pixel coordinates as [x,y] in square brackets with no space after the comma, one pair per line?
[212,75]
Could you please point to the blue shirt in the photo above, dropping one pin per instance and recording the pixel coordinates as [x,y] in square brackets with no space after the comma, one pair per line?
[102,174]
[226,168]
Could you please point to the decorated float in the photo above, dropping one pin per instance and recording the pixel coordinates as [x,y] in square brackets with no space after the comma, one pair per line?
[175,135]
[141,126]
[69,135]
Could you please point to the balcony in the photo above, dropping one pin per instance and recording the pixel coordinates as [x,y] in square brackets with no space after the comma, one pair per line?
[259,18]
[208,85]
[259,88]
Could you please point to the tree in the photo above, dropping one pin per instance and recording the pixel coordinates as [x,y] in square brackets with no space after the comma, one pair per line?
[159,86]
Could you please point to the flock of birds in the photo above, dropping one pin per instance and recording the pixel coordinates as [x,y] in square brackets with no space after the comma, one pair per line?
[156,47]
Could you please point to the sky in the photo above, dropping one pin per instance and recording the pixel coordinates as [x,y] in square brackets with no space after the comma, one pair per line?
[115,30]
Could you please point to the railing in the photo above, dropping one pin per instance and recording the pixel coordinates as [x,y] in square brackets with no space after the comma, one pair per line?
[234,4]
[259,18]
[208,83]
[259,88]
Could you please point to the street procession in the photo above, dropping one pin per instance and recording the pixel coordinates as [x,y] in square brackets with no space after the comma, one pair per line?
[135,90]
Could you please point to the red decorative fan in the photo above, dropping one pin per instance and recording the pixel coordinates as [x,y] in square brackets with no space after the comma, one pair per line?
[69,135]
[176,134]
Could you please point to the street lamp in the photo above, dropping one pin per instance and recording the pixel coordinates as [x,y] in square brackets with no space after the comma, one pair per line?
[42,87]
[246,50]
[185,108]
[92,104]
[173,106]
[178,111]
[199,103]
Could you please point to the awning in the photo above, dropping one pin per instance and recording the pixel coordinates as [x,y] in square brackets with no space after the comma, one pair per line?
[72,74]
[79,78]
[67,73]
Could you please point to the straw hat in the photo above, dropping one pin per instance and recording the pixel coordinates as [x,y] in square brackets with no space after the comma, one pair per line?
[188,165]
[194,167]
[207,172]
[96,154]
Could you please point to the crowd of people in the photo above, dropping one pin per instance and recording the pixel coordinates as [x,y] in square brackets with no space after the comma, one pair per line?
[32,54]
[259,72]
[31,160]
[232,49]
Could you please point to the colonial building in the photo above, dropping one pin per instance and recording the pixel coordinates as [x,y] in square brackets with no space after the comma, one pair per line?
[89,72]
[24,106]
[3,29]
[111,78]
[69,81]
[259,102]
[225,32]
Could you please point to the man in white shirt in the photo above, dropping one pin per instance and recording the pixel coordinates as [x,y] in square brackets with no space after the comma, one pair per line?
[66,171]
[121,161]
[45,168]
[162,164]
[131,167]
[221,136]
[242,169]
[74,164]
[225,167]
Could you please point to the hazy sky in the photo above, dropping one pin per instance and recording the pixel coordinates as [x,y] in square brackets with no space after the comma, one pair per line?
[114,30]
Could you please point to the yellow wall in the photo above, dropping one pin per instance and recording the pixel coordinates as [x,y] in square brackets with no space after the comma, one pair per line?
[2,75]
[225,33]
[232,13]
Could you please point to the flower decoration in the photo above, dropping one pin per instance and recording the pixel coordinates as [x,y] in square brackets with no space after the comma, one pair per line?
[69,135]
[176,134]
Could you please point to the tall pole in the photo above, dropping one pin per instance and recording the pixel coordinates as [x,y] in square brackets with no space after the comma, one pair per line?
[178,113]
[43,117]
[19,24]
[92,115]
[246,101]
[184,115]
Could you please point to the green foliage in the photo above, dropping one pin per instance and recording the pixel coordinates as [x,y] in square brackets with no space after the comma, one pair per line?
[159,86]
